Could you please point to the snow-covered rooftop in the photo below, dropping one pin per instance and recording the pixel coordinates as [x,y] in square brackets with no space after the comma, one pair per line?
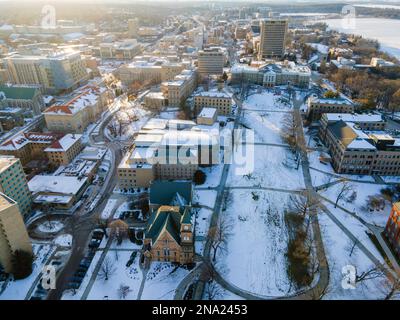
[64,143]
[56,184]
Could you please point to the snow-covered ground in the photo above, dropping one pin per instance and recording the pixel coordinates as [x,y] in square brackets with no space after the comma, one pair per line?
[255,257]
[162,280]
[63,240]
[265,100]
[363,190]
[213,174]
[50,226]
[338,248]
[205,197]
[17,290]
[328,174]
[266,166]
[128,276]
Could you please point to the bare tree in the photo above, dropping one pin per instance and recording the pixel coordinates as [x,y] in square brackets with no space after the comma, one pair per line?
[345,190]
[303,202]
[219,234]
[123,291]
[107,269]
[372,273]
[288,131]
[213,291]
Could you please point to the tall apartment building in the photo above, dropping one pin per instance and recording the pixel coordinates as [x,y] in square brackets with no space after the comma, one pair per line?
[273,37]
[13,183]
[211,62]
[13,234]
[76,114]
[55,73]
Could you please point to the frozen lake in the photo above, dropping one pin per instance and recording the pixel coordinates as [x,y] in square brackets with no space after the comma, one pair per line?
[386,31]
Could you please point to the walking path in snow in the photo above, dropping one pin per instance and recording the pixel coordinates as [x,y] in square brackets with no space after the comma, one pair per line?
[97,269]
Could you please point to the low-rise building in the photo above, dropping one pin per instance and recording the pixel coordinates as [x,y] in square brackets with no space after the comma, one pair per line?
[207,116]
[59,192]
[125,49]
[178,90]
[64,150]
[155,101]
[272,74]
[13,234]
[23,97]
[29,146]
[76,114]
[354,151]
[318,106]
[219,99]
[169,233]
[168,149]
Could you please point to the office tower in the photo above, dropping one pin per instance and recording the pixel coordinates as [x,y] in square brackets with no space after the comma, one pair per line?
[211,61]
[273,36]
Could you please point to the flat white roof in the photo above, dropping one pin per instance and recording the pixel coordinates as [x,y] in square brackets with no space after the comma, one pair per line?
[56,184]
[207,113]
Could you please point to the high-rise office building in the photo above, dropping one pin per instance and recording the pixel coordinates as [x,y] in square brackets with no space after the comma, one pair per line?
[273,37]
[211,61]
[13,183]
[13,234]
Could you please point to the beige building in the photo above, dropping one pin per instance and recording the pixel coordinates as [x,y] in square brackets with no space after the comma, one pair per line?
[319,106]
[150,69]
[13,183]
[272,74]
[169,149]
[155,101]
[169,236]
[354,151]
[273,37]
[178,90]
[75,115]
[13,234]
[207,116]
[211,62]
[29,146]
[219,99]
[64,150]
